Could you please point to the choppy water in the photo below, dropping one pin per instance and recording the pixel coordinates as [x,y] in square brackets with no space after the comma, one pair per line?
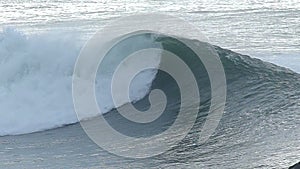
[265,29]
[245,25]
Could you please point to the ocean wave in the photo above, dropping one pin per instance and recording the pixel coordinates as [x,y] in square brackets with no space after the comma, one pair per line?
[36,81]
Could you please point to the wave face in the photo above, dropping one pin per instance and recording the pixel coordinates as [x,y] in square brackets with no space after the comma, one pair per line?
[36,78]
[261,115]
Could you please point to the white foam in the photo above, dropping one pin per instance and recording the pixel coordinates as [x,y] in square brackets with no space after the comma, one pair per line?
[36,80]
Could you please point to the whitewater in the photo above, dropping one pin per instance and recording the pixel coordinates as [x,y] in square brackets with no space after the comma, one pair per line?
[36,81]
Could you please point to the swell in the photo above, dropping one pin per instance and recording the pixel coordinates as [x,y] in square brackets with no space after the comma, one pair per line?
[261,115]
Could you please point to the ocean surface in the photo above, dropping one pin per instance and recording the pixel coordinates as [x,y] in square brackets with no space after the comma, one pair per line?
[259,48]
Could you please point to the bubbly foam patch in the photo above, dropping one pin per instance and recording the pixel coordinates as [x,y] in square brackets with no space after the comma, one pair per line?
[36,81]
